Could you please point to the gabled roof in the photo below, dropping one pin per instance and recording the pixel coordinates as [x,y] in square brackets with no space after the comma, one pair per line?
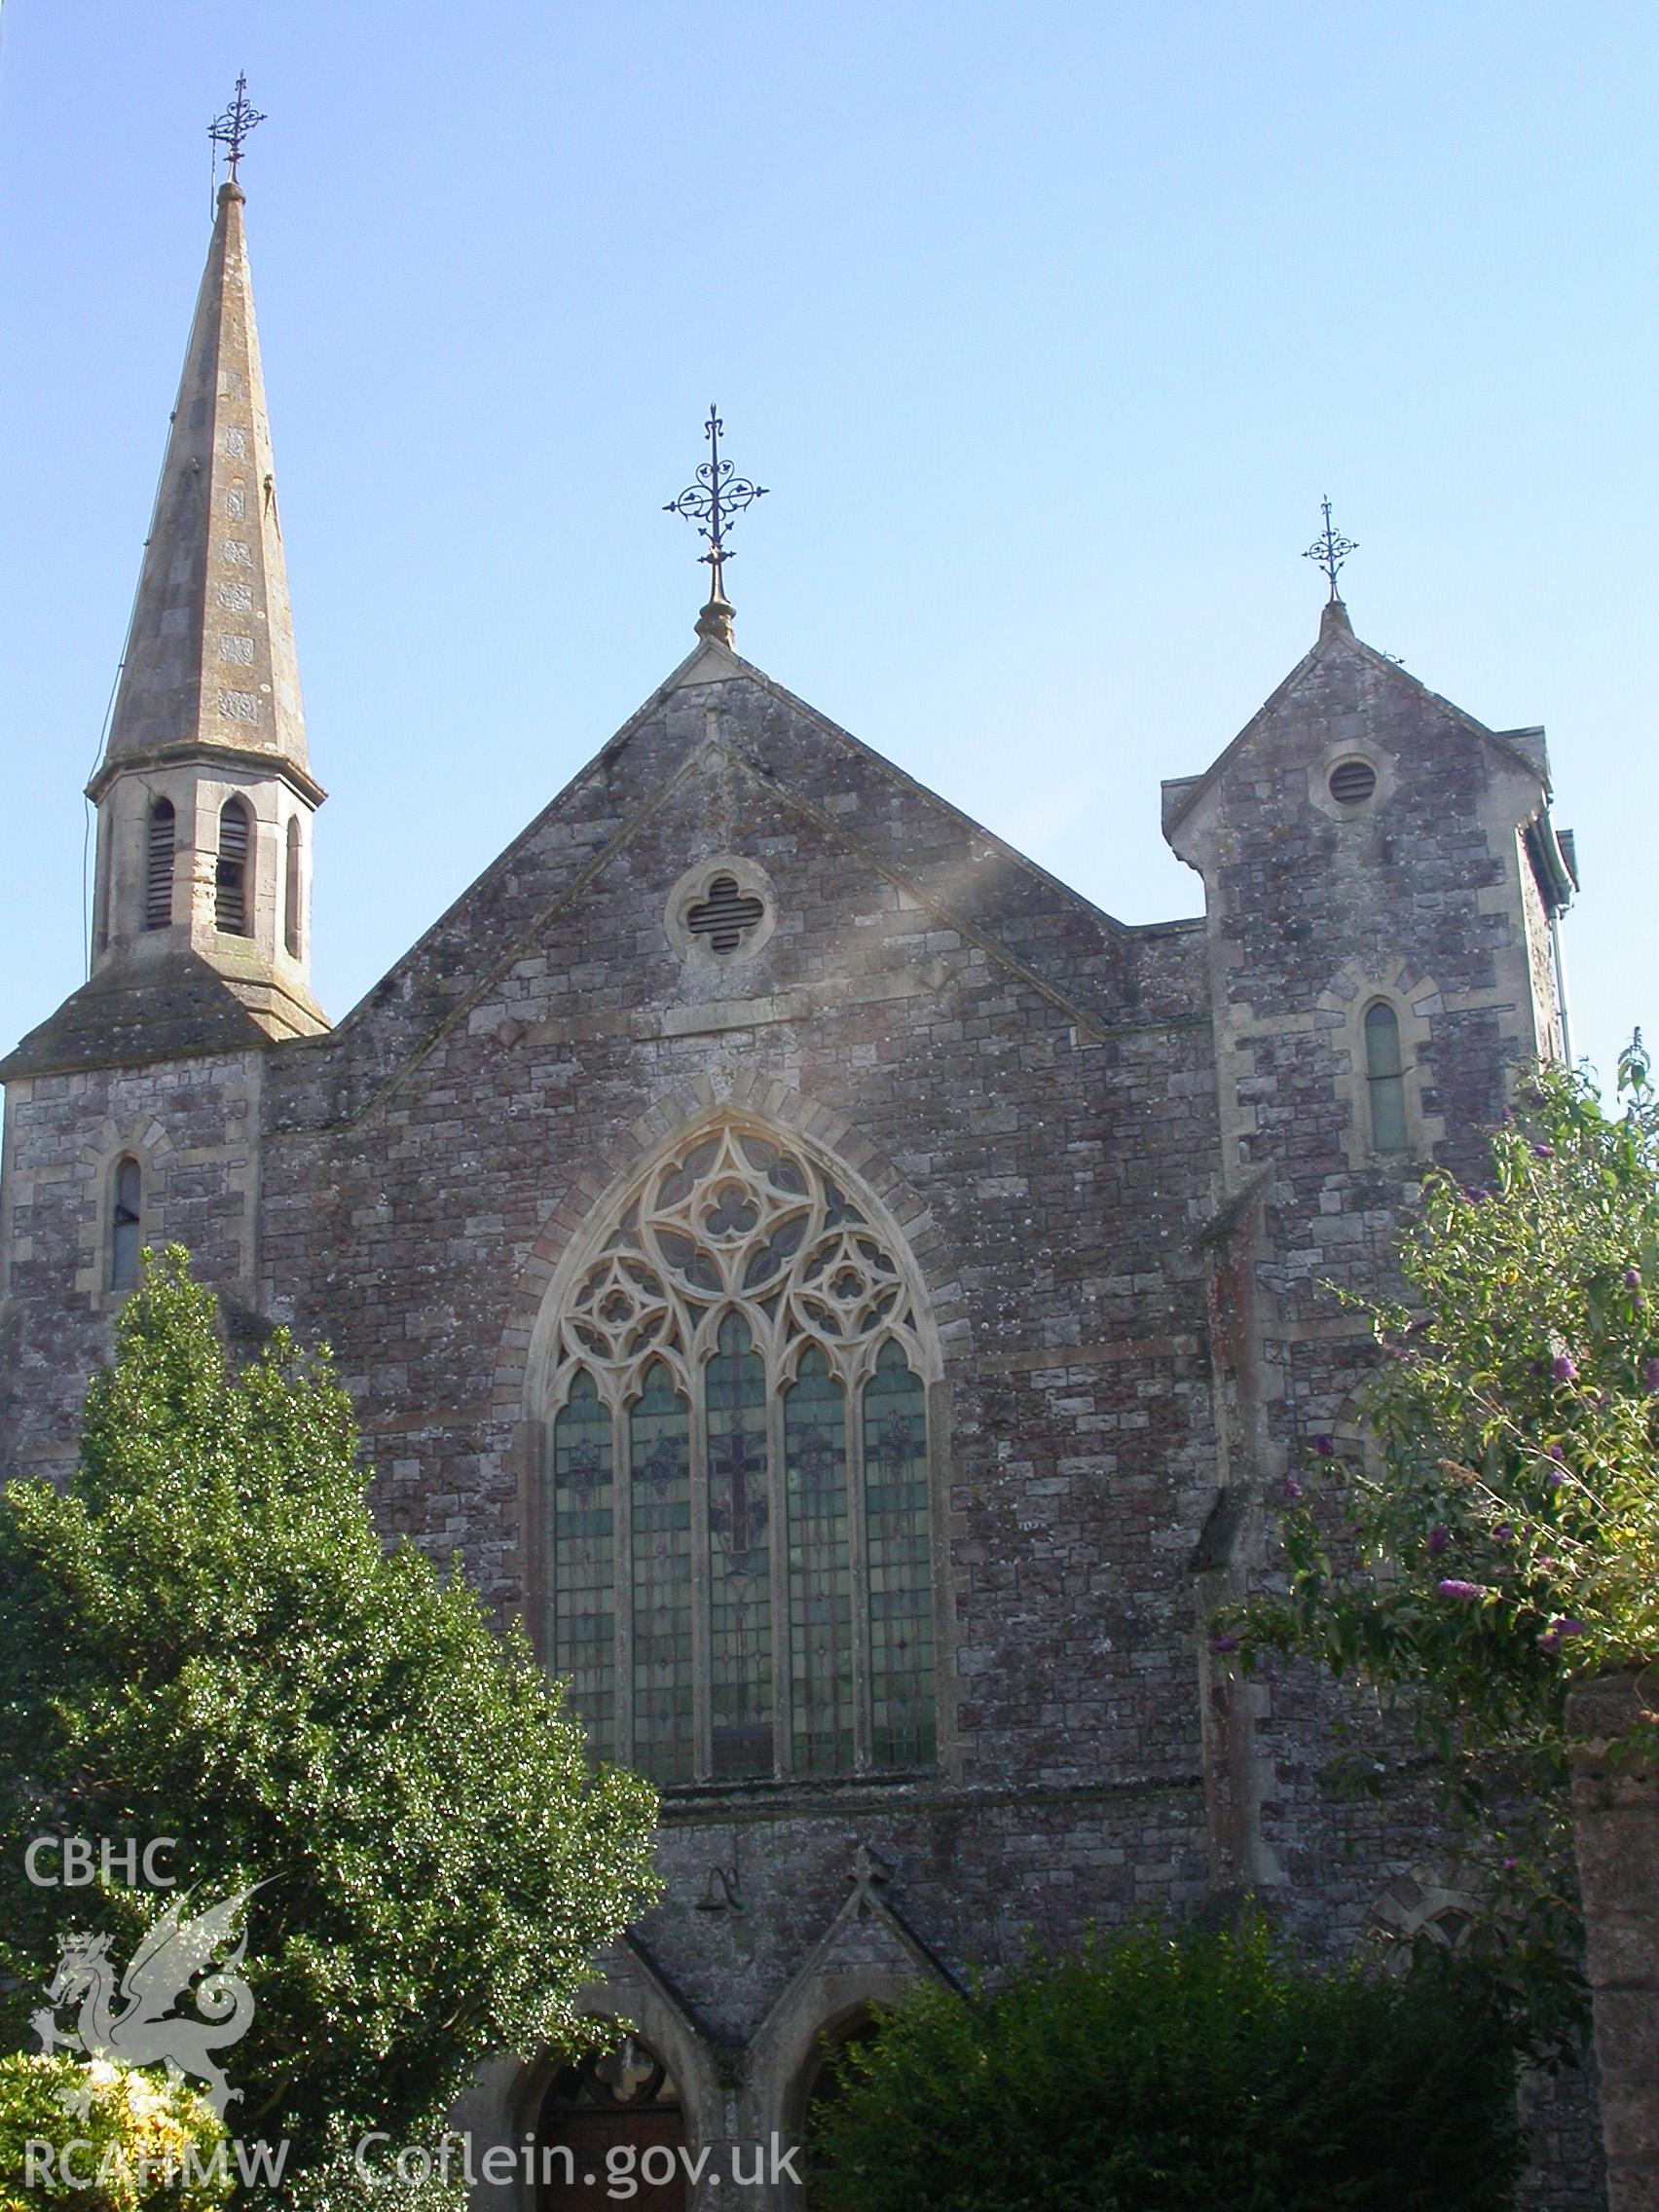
[717,703]
[1526,746]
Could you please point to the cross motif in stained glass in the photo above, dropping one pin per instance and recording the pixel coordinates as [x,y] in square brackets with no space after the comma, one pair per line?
[745,1339]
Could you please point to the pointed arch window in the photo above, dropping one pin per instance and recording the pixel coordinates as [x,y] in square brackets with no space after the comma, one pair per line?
[1384,1077]
[753,1594]
[291,891]
[232,902]
[126,1212]
[159,865]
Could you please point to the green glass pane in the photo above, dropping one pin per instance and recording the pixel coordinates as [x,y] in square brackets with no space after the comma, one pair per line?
[582,1541]
[1388,1114]
[819,1576]
[660,1503]
[740,1558]
[1383,1041]
[897,1540]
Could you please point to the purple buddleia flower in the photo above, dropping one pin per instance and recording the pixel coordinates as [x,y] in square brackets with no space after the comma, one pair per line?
[1561,1626]
[1455,1588]
[1439,1536]
[1290,1490]
[1224,1642]
[1324,1447]
[1631,1278]
[1650,1376]
[1542,1152]
[1504,1533]
[1564,1368]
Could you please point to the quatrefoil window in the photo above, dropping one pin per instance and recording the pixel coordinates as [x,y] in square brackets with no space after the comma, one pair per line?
[720,913]
[738,1533]
[726,917]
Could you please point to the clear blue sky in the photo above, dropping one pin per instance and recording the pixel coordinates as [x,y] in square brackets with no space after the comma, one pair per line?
[1048,326]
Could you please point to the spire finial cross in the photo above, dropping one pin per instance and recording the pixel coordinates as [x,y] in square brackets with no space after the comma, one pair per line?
[712,501]
[1329,549]
[236,126]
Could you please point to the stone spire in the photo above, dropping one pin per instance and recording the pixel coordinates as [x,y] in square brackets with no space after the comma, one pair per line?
[209,666]
[201,896]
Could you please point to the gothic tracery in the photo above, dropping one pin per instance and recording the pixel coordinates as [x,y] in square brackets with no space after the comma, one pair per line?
[738,1544]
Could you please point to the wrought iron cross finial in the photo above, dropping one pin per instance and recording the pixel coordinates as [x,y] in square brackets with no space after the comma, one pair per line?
[712,501]
[236,126]
[1329,549]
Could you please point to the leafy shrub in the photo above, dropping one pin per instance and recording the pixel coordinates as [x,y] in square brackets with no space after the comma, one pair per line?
[141,2143]
[1510,1536]
[1179,2073]
[1504,1539]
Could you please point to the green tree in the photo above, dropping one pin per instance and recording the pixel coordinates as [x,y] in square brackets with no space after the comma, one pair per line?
[1188,2072]
[1504,1537]
[207,1639]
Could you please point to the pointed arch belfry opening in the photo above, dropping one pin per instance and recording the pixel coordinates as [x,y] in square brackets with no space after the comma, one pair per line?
[734,1535]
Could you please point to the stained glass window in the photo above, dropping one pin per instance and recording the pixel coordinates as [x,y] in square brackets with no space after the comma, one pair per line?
[821,1583]
[660,1542]
[747,1338]
[584,1554]
[740,1556]
[896,1520]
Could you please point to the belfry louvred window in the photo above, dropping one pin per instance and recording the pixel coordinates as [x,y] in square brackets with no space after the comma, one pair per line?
[232,907]
[737,1530]
[159,866]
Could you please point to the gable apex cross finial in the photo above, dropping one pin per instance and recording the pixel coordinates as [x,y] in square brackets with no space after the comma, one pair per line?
[1329,549]
[711,503]
[233,129]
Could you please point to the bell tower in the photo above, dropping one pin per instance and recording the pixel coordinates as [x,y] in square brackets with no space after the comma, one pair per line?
[205,794]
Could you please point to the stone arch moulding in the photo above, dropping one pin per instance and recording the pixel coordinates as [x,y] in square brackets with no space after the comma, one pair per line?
[927,1322]
[867,1956]
[504,2105]
[1416,1001]
[142,1138]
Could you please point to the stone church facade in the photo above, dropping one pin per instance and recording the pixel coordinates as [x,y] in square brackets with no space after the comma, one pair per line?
[852,1296]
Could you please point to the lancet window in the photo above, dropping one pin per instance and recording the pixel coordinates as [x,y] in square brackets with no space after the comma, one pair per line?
[1386,1077]
[737,1531]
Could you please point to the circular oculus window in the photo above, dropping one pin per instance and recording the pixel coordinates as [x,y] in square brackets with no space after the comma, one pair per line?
[1351,783]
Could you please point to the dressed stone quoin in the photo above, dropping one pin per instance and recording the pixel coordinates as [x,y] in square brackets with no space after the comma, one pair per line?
[852,1297]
